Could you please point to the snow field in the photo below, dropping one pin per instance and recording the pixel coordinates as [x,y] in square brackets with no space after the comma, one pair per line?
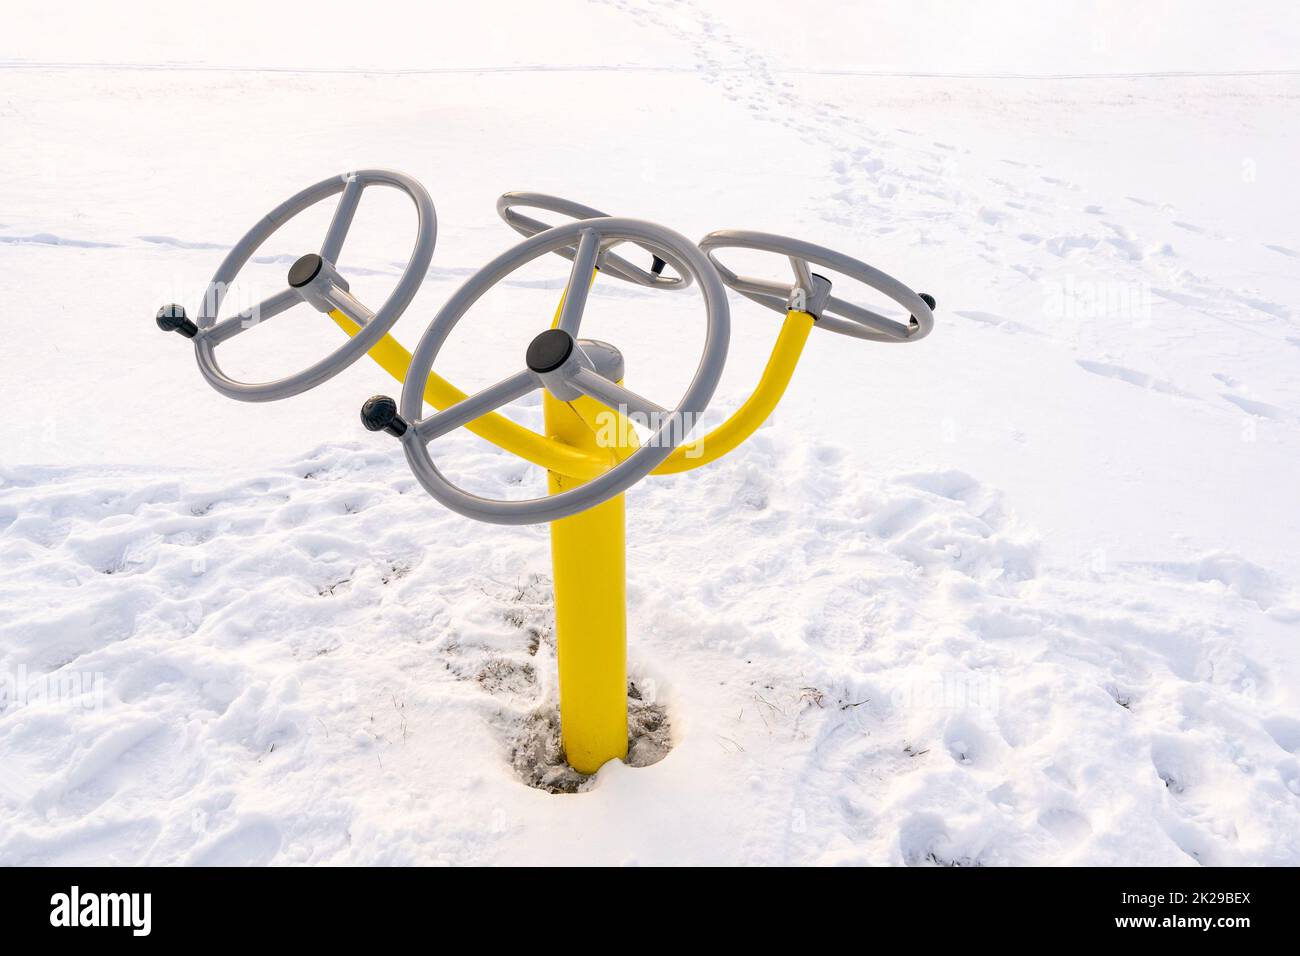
[1024,592]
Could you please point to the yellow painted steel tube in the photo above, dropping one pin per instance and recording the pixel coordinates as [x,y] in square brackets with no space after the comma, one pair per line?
[745,420]
[589,564]
[574,461]
[495,427]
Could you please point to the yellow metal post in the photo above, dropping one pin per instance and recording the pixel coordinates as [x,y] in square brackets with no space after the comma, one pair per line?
[588,555]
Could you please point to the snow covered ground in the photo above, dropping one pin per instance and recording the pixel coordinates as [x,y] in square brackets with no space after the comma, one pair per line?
[1025,592]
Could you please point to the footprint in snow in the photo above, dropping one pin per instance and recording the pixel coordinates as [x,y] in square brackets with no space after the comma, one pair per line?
[181,243]
[992,320]
[1257,409]
[252,842]
[48,239]
[1132,377]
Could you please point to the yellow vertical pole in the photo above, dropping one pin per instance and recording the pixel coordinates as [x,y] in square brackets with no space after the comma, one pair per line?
[588,554]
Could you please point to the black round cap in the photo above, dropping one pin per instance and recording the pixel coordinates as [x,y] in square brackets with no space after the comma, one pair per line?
[304,270]
[172,318]
[379,413]
[928,300]
[549,350]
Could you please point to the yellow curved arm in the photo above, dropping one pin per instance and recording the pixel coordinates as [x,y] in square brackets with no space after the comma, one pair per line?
[567,460]
[745,420]
[495,427]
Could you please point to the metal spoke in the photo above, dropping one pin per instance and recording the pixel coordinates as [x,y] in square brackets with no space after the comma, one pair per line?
[575,296]
[342,221]
[282,301]
[348,304]
[476,406]
[871,320]
[747,284]
[617,397]
[802,274]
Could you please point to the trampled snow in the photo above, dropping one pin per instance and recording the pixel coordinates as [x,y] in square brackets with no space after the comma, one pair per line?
[1023,592]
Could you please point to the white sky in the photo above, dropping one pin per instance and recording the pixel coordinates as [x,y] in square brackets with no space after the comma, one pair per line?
[1096,36]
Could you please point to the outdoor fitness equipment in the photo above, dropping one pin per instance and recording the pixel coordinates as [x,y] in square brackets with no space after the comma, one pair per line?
[582,388]
[584,399]
[590,450]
